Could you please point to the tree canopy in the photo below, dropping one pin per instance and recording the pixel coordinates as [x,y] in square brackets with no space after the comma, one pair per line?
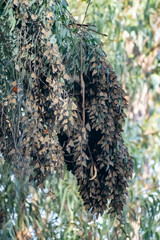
[65,164]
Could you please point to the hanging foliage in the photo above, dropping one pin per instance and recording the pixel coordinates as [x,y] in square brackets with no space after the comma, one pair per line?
[61,103]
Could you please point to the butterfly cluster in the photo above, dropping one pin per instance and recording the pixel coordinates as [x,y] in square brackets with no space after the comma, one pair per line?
[54,115]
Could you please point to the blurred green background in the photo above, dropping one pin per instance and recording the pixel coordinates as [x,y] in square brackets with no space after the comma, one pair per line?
[133,49]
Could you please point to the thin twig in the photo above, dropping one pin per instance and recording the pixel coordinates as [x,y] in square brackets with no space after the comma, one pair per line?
[87,26]
[86,11]
[82,25]
[82,87]
[103,34]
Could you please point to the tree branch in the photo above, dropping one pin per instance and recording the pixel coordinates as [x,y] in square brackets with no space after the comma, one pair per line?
[86,11]
[82,87]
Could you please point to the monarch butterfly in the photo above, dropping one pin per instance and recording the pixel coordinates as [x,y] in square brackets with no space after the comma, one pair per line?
[45,131]
[15,89]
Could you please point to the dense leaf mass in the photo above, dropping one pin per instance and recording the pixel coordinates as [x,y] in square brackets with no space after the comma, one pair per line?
[58,109]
